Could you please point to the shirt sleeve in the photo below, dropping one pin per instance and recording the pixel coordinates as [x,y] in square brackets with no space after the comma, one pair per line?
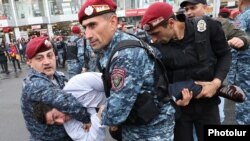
[129,71]
[232,31]
[76,132]
[221,49]
[97,131]
[243,21]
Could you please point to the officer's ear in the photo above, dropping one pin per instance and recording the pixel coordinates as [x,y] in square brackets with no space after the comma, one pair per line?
[28,62]
[171,22]
[113,21]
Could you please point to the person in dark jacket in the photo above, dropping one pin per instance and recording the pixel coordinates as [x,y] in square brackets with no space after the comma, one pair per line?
[214,58]
[4,59]
[237,39]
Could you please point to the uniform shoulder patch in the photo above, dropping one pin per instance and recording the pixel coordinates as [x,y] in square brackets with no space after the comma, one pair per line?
[201,25]
[117,78]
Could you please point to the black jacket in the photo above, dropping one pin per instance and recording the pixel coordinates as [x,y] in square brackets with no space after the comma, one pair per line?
[182,58]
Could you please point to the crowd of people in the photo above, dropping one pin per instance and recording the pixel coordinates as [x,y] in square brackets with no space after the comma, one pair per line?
[128,82]
[12,52]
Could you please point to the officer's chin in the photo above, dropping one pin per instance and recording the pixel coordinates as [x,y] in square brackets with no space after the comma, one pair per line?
[164,42]
[49,72]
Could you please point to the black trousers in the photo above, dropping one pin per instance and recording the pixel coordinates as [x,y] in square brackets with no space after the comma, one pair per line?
[4,67]
[14,61]
[198,113]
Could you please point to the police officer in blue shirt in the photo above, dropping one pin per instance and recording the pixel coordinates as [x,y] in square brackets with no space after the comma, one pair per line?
[45,84]
[132,75]
[75,52]
[240,70]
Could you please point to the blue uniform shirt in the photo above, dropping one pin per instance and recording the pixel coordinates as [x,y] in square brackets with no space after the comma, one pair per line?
[240,70]
[37,87]
[132,73]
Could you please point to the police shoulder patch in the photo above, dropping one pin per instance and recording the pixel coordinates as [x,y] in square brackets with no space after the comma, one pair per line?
[117,78]
[201,26]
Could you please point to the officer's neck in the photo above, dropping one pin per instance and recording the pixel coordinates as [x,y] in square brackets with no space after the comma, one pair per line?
[180,31]
[50,77]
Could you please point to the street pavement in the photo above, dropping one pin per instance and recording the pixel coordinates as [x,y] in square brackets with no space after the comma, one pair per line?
[12,126]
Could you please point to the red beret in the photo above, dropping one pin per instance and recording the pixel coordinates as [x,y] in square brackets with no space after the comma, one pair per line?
[225,10]
[234,13]
[155,14]
[75,29]
[36,45]
[92,8]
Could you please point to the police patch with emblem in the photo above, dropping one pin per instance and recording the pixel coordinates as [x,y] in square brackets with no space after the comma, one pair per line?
[89,10]
[117,79]
[201,26]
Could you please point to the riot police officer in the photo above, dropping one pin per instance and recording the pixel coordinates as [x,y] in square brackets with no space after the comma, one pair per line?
[131,75]
[45,84]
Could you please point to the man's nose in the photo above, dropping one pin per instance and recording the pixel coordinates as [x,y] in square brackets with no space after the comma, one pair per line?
[188,13]
[88,34]
[46,60]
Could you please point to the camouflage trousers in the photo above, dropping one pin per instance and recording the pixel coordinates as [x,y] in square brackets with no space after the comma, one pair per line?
[73,68]
[162,132]
[239,75]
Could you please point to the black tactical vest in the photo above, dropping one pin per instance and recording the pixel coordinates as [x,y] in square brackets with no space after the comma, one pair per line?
[72,50]
[205,69]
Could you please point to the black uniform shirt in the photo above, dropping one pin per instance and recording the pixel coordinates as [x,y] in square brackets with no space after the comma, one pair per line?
[181,56]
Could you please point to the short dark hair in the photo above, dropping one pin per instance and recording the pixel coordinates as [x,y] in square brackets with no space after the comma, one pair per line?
[179,17]
[224,15]
[39,112]
[164,23]
[108,15]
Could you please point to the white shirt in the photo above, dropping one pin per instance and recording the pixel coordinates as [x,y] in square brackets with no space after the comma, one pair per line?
[88,89]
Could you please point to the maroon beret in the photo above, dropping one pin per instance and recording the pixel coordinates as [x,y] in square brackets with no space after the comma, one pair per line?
[92,8]
[75,29]
[36,45]
[155,14]
[225,10]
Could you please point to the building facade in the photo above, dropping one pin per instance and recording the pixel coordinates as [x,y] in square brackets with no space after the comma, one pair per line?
[22,18]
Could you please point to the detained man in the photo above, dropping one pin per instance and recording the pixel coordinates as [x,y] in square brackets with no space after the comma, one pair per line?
[87,88]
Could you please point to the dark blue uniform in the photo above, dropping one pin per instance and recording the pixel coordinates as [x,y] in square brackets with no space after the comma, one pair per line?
[132,73]
[74,61]
[37,87]
[240,70]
